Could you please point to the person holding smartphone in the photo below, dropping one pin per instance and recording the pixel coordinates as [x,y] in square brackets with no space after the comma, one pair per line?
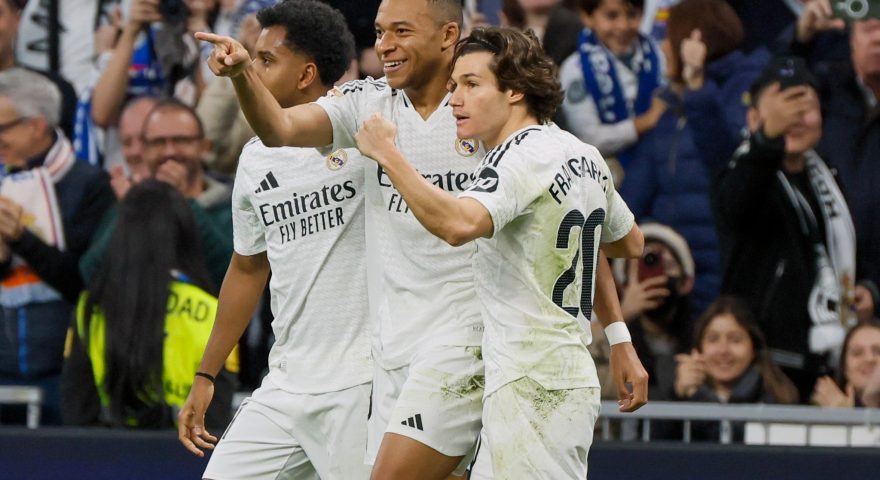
[656,306]
[789,238]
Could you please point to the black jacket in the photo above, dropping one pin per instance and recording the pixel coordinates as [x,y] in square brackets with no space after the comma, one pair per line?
[767,259]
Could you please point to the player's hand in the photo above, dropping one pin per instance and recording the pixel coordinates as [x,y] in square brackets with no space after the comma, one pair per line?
[690,373]
[828,394]
[376,138]
[693,59]
[626,368]
[639,297]
[786,108]
[191,420]
[817,16]
[229,57]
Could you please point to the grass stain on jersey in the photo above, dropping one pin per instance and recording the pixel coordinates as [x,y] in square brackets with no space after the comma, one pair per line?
[477,352]
[545,402]
[466,387]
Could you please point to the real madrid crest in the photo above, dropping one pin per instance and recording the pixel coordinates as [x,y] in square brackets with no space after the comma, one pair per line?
[465,146]
[337,159]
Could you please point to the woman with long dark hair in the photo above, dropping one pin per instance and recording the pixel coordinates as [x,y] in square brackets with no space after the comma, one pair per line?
[730,364]
[142,326]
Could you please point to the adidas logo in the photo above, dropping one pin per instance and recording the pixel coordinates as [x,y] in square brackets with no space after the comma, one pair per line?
[268,183]
[414,421]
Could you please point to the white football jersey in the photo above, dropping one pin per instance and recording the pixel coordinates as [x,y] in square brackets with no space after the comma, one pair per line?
[426,296]
[306,211]
[552,202]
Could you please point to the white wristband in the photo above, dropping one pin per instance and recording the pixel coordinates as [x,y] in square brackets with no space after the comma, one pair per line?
[617,333]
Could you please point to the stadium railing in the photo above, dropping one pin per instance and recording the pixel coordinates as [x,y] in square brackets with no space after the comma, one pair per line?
[24,395]
[764,424]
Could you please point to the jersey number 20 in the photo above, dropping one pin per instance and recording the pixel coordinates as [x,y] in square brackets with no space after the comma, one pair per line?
[586,252]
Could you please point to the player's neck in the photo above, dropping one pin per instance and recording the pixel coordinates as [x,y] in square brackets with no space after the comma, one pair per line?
[519,119]
[427,98]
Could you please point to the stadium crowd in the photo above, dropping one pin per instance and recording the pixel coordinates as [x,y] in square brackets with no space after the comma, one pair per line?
[740,133]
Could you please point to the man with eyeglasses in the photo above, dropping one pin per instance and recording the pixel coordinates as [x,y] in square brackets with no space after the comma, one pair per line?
[174,147]
[50,205]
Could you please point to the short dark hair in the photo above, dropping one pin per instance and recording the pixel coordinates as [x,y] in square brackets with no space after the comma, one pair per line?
[590,6]
[451,11]
[721,28]
[519,64]
[174,104]
[316,30]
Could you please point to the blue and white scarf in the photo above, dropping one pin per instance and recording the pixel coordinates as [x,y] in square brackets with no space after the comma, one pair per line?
[603,83]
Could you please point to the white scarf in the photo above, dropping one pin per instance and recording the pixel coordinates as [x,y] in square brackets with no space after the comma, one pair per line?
[834,287]
[34,190]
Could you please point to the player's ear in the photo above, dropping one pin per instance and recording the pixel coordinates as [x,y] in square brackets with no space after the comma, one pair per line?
[451,34]
[308,76]
[514,96]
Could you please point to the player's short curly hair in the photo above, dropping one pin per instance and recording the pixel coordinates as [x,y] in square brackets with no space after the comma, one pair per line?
[316,30]
[520,64]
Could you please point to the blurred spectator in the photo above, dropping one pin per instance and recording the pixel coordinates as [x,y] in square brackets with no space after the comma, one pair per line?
[555,25]
[871,397]
[788,236]
[63,45]
[10,19]
[156,55]
[610,81]
[668,179]
[858,361]
[142,326]
[50,206]
[654,17]
[174,147]
[851,132]
[131,124]
[730,364]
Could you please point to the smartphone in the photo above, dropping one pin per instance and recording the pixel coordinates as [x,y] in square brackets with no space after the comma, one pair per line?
[650,266]
[855,10]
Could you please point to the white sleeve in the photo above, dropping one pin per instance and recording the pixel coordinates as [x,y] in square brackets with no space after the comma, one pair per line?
[343,106]
[582,117]
[506,185]
[248,232]
[619,219]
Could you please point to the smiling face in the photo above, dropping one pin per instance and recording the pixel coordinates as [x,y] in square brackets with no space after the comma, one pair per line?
[862,356]
[727,349]
[481,110]
[410,42]
[616,24]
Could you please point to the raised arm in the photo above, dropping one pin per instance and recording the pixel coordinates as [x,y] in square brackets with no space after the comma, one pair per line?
[305,125]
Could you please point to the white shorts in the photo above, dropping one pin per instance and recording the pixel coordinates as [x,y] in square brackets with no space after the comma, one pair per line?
[280,435]
[530,432]
[435,400]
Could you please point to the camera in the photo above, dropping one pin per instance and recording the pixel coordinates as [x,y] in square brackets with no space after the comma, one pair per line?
[173,11]
[650,266]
